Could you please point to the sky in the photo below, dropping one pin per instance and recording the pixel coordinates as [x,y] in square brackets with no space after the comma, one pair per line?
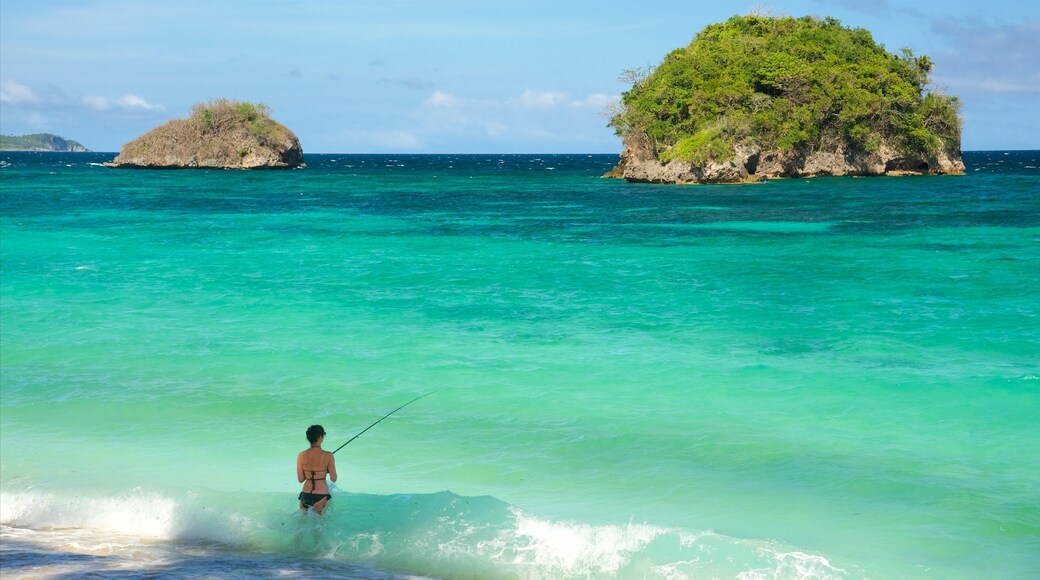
[444,76]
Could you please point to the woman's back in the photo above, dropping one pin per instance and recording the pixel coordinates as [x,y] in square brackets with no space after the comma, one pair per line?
[314,463]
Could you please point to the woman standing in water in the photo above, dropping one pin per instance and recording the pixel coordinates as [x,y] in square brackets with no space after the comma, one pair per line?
[313,465]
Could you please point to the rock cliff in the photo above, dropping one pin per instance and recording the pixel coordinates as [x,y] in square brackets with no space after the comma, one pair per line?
[751,164]
[221,134]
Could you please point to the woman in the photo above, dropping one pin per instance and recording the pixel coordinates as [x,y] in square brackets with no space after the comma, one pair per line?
[312,467]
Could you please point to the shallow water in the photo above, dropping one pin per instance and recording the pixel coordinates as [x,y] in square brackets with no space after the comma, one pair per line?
[805,378]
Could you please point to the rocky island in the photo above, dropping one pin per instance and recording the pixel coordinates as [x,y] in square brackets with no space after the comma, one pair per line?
[220,134]
[760,97]
[40,142]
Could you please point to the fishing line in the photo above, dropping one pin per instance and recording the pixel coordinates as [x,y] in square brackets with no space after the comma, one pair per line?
[383,417]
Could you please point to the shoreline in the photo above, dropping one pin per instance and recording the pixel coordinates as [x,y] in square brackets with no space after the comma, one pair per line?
[73,552]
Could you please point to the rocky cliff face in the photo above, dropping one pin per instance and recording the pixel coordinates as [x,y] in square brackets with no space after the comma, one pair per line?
[639,164]
[219,135]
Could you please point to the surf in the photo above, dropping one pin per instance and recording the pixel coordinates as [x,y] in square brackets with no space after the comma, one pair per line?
[438,534]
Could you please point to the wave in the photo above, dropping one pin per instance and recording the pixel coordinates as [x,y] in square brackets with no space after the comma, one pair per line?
[440,534]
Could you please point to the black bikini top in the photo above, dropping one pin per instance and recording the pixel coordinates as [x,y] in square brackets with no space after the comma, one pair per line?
[315,479]
[314,472]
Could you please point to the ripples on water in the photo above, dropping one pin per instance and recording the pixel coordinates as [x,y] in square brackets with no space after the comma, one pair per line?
[805,378]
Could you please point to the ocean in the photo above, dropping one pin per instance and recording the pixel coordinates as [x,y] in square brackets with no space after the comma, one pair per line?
[825,378]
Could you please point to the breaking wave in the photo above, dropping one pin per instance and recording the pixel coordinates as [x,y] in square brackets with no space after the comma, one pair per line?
[440,535]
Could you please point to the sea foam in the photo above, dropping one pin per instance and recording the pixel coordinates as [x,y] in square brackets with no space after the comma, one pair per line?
[440,534]
[138,513]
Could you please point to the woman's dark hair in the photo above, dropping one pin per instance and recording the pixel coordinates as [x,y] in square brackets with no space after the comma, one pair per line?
[313,432]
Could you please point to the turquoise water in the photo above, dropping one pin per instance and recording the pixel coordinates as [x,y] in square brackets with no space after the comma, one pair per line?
[828,378]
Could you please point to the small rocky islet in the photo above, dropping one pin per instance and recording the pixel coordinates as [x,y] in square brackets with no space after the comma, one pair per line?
[220,134]
[760,97]
[756,97]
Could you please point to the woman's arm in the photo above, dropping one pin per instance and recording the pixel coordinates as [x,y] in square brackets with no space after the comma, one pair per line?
[332,467]
[299,468]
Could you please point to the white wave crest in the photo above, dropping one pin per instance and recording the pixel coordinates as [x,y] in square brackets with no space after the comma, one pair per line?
[137,513]
[537,548]
[579,548]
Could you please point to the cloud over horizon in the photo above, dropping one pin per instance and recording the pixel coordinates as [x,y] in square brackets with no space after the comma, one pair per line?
[986,58]
[14,93]
[528,99]
[530,116]
[127,102]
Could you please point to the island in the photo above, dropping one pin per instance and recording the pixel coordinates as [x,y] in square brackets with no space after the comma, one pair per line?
[220,134]
[760,97]
[40,142]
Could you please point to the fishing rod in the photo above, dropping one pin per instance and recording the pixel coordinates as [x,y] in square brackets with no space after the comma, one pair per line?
[383,417]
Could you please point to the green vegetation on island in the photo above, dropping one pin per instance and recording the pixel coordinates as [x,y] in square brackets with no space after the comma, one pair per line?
[219,134]
[791,86]
[39,142]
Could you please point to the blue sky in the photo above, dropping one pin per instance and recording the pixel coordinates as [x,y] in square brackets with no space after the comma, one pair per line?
[496,76]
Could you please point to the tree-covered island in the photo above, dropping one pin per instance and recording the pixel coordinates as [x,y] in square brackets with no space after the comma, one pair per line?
[40,142]
[220,134]
[763,97]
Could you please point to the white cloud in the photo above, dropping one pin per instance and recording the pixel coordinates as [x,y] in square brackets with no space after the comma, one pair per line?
[529,99]
[458,115]
[14,93]
[96,103]
[541,99]
[596,101]
[520,116]
[128,102]
[442,99]
[136,102]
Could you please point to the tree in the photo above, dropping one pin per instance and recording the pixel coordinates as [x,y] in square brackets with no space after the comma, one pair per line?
[785,83]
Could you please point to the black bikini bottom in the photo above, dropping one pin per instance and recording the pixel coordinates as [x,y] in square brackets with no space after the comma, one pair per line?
[309,499]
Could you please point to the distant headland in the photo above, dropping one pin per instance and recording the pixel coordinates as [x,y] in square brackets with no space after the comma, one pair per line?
[220,134]
[761,97]
[39,142]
